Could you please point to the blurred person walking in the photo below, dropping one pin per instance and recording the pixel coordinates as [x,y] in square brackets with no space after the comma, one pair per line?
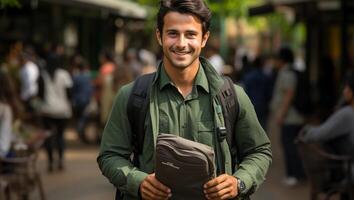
[132,62]
[55,92]
[338,129]
[286,116]
[7,108]
[258,85]
[215,59]
[337,132]
[29,74]
[148,61]
[104,84]
[82,91]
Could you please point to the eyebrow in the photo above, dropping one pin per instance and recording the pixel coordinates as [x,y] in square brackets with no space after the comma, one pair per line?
[188,31]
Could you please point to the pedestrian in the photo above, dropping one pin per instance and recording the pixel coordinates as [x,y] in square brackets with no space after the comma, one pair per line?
[338,129]
[55,108]
[104,83]
[215,59]
[29,74]
[82,91]
[286,116]
[337,133]
[6,114]
[183,102]
[258,86]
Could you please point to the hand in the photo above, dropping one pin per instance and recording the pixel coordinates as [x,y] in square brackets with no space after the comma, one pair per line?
[152,189]
[221,187]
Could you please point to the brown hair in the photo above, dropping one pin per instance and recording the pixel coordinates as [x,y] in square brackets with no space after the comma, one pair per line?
[197,8]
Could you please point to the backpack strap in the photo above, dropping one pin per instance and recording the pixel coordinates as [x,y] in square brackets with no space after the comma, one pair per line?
[230,109]
[137,106]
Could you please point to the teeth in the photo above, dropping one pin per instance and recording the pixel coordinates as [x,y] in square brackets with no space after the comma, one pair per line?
[182,53]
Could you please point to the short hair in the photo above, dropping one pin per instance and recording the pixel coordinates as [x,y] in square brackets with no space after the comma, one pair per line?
[197,8]
[286,55]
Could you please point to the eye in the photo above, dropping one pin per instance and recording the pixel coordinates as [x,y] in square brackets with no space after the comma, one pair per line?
[191,35]
[172,34]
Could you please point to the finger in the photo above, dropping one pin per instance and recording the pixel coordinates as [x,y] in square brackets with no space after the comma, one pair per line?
[155,193]
[220,193]
[147,195]
[158,185]
[218,187]
[215,181]
[227,196]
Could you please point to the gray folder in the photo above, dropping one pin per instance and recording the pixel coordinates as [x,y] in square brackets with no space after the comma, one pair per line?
[184,166]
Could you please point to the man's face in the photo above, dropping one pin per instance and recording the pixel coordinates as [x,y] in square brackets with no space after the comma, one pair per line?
[181,40]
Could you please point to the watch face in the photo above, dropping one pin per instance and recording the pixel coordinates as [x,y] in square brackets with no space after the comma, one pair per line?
[241,185]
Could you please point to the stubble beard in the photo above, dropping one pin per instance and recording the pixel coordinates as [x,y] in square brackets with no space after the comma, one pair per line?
[183,64]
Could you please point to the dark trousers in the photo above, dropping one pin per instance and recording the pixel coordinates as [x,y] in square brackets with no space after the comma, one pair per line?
[56,126]
[293,163]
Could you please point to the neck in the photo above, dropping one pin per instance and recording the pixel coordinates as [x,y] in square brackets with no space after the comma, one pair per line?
[183,78]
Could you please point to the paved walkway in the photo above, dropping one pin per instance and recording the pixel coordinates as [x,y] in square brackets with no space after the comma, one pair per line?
[82,179]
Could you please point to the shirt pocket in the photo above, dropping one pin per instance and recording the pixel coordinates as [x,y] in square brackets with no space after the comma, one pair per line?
[164,123]
[206,132]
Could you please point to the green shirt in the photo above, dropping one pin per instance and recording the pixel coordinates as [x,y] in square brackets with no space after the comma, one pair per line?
[194,117]
[184,116]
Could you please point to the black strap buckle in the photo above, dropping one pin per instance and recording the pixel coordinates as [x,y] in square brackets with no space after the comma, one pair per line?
[221,131]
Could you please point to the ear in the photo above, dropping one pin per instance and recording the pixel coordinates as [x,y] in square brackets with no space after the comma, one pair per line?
[205,39]
[159,37]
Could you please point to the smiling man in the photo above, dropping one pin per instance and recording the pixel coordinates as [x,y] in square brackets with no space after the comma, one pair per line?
[183,101]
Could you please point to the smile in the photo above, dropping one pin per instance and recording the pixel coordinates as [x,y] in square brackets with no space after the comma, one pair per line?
[181,53]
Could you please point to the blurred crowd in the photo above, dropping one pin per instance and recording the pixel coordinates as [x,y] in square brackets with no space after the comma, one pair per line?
[45,87]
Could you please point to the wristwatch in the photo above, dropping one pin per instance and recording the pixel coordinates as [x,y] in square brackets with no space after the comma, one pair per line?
[240,185]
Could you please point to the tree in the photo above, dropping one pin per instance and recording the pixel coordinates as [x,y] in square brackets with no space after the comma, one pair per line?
[9,3]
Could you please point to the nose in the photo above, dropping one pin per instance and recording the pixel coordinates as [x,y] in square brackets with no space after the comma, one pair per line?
[182,42]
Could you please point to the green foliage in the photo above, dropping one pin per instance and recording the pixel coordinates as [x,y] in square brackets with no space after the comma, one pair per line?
[236,8]
[153,3]
[9,3]
[152,6]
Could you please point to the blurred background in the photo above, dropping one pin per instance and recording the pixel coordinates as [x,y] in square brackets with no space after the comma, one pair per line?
[85,50]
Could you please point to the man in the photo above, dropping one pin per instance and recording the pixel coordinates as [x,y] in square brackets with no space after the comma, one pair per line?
[183,102]
[286,116]
[337,135]
[29,74]
[215,59]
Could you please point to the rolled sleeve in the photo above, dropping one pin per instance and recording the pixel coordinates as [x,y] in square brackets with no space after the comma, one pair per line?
[134,180]
[115,151]
[254,149]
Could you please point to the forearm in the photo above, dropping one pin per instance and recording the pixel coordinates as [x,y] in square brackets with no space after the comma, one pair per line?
[115,151]
[253,145]
[254,166]
[121,173]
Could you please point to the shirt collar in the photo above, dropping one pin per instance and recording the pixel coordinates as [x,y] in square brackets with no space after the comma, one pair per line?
[200,79]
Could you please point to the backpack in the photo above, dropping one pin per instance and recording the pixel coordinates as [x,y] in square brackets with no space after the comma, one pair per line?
[138,104]
[302,100]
